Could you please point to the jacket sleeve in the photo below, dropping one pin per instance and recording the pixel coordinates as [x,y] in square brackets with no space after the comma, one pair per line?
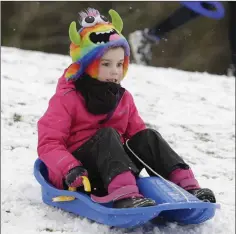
[135,122]
[53,132]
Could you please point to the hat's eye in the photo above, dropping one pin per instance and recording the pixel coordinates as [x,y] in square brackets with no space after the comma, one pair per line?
[89,21]
[104,18]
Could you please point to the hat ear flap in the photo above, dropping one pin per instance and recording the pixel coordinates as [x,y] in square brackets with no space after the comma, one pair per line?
[92,68]
[125,65]
[72,70]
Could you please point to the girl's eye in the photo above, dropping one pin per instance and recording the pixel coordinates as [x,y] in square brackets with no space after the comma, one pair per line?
[120,64]
[89,21]
[105,64]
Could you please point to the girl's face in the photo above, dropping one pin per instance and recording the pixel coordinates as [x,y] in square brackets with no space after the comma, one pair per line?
[111,66]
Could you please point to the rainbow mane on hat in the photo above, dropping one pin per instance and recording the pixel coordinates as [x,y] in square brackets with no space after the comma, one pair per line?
[96,36]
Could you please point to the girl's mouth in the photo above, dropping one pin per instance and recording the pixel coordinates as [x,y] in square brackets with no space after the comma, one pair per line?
[112,80]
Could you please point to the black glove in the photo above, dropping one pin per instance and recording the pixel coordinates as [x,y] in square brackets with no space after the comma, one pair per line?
[74,176]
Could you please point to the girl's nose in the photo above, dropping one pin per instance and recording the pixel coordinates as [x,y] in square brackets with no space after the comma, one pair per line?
[114,71]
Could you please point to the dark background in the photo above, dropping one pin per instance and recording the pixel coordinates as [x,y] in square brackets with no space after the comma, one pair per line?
[199,45]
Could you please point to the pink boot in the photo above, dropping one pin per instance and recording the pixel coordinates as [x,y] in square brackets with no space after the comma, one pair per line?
[124,193]
[124,179]
[184,178]
[128,200]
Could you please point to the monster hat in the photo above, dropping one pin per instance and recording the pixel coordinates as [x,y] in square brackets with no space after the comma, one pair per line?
[96,36]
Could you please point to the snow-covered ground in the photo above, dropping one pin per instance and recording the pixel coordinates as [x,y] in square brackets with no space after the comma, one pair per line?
[195,112]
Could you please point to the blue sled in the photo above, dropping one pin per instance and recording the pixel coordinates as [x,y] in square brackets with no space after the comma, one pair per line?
[172,205]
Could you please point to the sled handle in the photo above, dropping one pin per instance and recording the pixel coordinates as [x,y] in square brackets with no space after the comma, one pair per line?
[86,183]
[87,188]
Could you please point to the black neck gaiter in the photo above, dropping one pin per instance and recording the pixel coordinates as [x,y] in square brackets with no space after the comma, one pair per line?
[100,97]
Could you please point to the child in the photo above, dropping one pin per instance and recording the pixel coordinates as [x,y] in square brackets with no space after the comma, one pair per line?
[91,116]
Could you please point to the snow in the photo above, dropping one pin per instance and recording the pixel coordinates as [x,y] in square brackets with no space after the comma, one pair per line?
[194,112]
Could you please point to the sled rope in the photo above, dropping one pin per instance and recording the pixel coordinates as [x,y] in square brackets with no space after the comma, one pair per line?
[171,184]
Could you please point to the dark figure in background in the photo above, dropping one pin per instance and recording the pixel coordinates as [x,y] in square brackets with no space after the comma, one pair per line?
[141,41]
[232,38]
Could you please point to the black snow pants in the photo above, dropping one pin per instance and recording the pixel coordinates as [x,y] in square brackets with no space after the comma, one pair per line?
[104,156]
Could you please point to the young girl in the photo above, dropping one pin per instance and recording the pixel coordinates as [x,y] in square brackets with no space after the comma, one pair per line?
[91,120]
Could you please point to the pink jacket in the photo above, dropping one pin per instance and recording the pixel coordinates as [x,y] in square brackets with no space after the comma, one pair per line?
[66,125]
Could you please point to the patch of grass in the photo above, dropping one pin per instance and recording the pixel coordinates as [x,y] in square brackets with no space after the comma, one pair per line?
[49,230]
[17,117]
[22,103]
[186,128]
[203,137]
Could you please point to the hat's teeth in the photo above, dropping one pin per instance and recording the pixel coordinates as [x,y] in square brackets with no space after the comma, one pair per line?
[102,42]
[111,30]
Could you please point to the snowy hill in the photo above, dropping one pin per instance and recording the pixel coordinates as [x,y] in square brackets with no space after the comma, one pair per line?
[195,112]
